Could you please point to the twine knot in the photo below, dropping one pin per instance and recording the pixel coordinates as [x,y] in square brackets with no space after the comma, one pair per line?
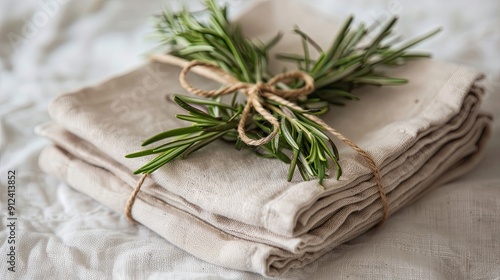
[254,93]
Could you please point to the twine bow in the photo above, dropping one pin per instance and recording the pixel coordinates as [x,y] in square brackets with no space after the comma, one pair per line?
[254,94]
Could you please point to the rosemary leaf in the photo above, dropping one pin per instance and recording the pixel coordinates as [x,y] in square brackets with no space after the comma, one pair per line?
[302,144]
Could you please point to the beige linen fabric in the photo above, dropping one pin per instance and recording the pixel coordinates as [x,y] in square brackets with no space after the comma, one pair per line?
[346,209]
[233,209]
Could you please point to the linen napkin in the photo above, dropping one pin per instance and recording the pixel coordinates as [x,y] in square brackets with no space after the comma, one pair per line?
[234,209]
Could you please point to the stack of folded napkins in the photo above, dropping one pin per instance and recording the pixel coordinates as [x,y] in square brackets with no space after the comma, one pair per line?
[237,210]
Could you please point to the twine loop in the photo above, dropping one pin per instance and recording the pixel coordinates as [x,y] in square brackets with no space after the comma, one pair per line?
[254,94]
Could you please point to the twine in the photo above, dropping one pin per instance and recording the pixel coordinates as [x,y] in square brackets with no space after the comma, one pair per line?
[254,93]
[131,199]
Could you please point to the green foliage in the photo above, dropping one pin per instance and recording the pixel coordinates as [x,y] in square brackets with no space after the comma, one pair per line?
[347,64]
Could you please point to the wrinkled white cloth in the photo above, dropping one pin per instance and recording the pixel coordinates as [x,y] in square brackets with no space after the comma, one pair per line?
[450,234]
[421,135]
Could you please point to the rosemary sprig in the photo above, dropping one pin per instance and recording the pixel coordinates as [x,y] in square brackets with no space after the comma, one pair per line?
[347,64]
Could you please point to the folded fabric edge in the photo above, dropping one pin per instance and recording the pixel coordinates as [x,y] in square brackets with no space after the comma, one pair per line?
[179,228]
[460,83]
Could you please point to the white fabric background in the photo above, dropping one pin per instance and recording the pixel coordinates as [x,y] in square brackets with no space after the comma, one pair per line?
[51,47]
